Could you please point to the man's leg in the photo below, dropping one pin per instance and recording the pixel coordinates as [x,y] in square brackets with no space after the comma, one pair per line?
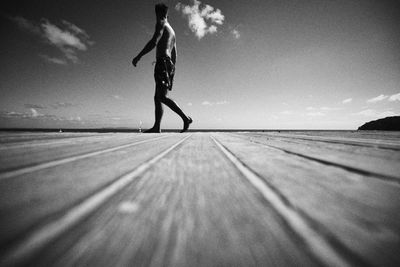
[158,113]
[174,106]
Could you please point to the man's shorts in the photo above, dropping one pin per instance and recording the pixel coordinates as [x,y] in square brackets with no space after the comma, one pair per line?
[164,72]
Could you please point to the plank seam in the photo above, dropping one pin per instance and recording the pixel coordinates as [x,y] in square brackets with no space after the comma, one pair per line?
[47,233]
[373,175]
[49,164]
[24,144]
[366,173]
[318,246]
[385,146]
[11,139]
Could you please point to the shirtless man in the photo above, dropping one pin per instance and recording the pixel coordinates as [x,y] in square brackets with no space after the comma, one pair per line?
[164,40]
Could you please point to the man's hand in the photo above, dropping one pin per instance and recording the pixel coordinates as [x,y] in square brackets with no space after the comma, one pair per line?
[135,61]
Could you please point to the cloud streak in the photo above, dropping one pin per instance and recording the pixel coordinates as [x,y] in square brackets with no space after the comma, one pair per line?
[58,61]
[208,103]
[395,97]
[377,99]
[33,114]
[235,33]
[202,19]
[347,100]
[323,108]
[35,106]
[67,37]
[63,105]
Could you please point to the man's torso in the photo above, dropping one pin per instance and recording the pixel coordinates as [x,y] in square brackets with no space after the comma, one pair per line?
[167,41]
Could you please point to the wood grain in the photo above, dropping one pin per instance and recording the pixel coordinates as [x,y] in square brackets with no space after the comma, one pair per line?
[194,209]
[366,160]
[356,212]
[298,198]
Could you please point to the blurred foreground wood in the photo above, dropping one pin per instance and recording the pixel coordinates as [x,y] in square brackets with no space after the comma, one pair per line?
[299,198]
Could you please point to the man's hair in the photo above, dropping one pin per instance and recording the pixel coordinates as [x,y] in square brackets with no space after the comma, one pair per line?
[161,10]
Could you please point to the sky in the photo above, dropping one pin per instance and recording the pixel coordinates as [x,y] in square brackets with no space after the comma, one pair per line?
[255,64]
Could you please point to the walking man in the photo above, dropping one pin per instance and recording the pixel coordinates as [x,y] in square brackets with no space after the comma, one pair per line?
[165,41]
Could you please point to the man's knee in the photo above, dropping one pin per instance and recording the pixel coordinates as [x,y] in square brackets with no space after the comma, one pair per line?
[160,95]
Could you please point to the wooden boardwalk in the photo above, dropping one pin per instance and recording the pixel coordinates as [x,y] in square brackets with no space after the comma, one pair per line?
[306,198]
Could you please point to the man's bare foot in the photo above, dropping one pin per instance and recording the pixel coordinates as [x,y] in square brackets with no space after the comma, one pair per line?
[186,124]
[153,130]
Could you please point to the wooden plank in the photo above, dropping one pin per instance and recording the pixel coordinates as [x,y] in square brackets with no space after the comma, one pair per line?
[368,160]
[17,157]
[373,136]
[191,209]
[55,189]
[375,141]
[7,138]
[359,215]
[385,154]
[51,141]
[194,207]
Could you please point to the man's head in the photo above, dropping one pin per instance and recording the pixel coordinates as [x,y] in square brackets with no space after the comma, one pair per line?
[161,11]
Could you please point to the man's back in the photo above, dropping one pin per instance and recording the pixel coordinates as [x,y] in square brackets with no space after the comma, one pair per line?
[167,40]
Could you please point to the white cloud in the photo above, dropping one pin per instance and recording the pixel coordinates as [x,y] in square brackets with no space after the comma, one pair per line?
[347,100]
[10,114]
[190,104]
[375,114]
[322,108]
[329,108]
[201,20]
[235,33]
[35,113]
[35,106]
[395,97]
[377,99]
[59,61]
[206,103]
[77,118]
[61,38]
[286,112]
[214,15]
[63,105]
[76,29]
[212,29]
[69,38]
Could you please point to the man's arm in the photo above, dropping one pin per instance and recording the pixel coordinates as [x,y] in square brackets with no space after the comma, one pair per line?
[174,54]
[150,44]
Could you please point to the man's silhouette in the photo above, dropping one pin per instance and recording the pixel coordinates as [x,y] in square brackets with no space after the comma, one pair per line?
[165,41]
